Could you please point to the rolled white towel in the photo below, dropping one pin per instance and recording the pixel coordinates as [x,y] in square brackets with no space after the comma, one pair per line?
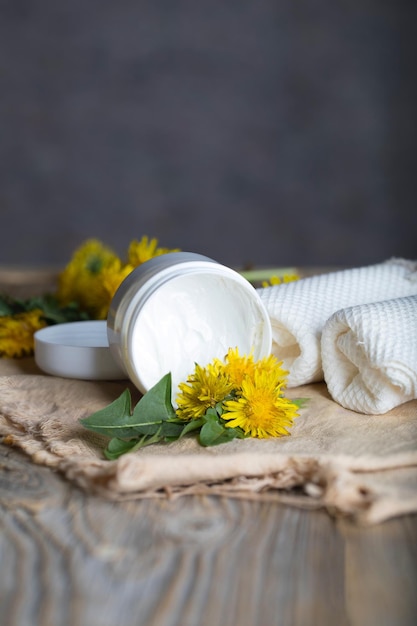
[299,310]
[369,355]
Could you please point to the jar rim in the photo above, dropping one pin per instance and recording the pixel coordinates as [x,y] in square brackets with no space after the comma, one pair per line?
[133,312]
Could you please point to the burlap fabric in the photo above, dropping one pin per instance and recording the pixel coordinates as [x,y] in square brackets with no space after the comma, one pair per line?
[352,464]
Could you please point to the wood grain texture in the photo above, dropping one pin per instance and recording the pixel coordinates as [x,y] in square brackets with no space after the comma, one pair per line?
[69,559]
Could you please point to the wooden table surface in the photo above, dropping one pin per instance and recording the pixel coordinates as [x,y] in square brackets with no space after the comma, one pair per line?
[71,559]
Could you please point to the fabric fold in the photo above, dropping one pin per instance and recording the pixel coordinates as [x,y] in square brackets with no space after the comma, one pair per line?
[361,467]
[369,355]
[300,309]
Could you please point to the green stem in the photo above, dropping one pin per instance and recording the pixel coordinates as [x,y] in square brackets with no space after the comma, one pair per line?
[267,273]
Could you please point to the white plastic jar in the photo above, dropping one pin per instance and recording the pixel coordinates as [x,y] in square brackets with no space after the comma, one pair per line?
[179,309]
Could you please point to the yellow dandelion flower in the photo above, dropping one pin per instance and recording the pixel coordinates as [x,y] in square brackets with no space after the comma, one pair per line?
[82,280]
[273,368]
[260,411]
[238,367]
[91,257]
[16,332]
[290,278]
[277,280]
[86,263]
[144,250]
[106,285]
[204,389]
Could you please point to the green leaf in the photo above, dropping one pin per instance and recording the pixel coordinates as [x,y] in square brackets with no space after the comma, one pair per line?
[153,413]
[52,311]
[213,434]
[10,305]
[192,426]
[300,402]
[212,414]
[116,447]
[5,308]
[155,406]
[155,409]
[172,429]
[114,420]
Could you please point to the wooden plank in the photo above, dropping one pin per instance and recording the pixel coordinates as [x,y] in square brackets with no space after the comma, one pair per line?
[70,558]
[381,573]
[196,561]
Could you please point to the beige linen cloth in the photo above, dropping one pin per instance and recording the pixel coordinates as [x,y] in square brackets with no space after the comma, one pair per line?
[369,355]
[364,467]
[299,310]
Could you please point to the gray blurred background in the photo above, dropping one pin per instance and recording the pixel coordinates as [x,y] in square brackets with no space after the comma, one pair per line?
[258,132]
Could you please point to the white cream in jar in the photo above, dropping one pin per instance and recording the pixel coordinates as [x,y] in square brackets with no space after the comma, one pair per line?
[180,309]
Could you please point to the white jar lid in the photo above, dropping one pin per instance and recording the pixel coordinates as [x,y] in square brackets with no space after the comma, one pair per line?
[77,350]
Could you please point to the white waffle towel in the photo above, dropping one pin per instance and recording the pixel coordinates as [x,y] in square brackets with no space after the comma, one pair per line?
[299,310]
[369,355]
